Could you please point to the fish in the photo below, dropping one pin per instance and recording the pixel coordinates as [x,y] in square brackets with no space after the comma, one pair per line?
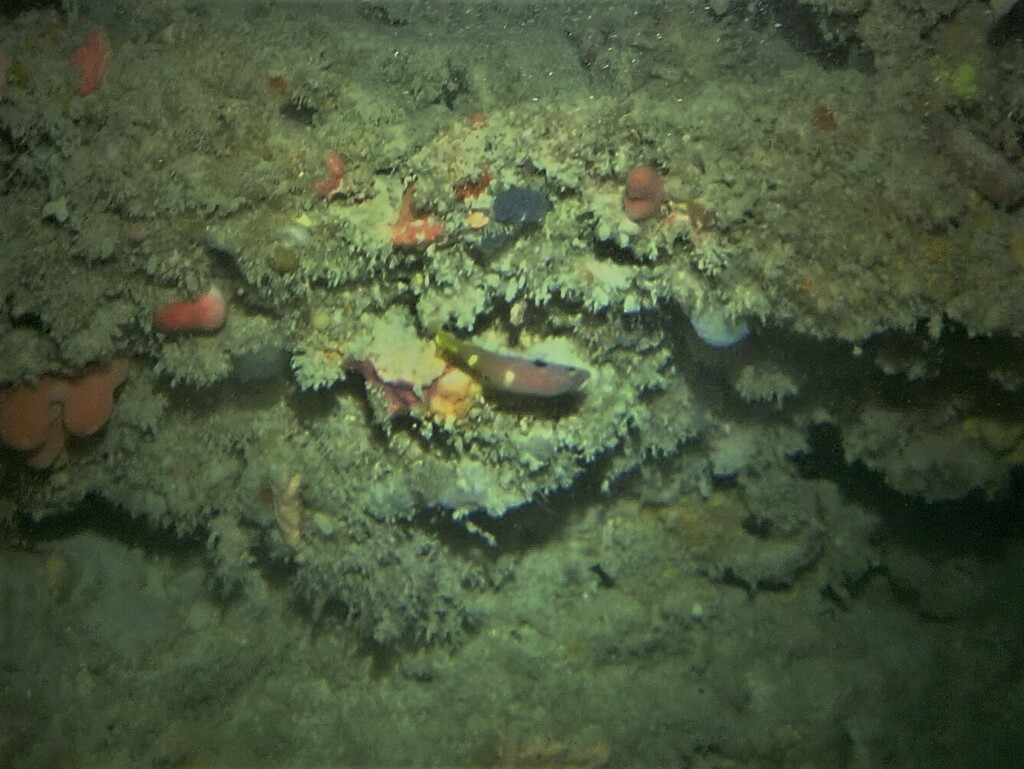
[511,373]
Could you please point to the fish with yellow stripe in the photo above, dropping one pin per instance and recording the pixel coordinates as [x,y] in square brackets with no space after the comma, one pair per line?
[511,373]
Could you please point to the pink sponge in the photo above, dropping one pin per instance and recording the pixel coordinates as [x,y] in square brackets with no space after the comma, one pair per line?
[644,195]
[205,313]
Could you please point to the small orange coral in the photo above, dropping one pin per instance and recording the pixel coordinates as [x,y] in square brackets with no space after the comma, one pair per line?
[331,183]
[412,229]
[473,188]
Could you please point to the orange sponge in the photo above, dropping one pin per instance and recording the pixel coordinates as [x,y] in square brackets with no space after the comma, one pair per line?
[90,59]
[37,418]
[204,313]
[644,194]
[25,414]
[88,398]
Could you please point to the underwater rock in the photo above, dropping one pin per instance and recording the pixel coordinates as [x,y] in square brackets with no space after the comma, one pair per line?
[520,205]
[492,244]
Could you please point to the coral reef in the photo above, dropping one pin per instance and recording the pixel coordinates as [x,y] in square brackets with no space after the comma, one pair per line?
[477,353]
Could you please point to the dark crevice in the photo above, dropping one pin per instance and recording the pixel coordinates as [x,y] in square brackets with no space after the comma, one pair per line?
[98,515]
[974,523]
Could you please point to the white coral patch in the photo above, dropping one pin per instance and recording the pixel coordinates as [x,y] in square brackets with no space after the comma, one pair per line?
[397,352]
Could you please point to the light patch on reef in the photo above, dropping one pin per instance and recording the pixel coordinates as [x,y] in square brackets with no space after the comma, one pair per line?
[606,281]
[396,350]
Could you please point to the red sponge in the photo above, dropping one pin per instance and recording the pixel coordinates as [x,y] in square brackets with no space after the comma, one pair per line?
[644,195]
[206,313]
